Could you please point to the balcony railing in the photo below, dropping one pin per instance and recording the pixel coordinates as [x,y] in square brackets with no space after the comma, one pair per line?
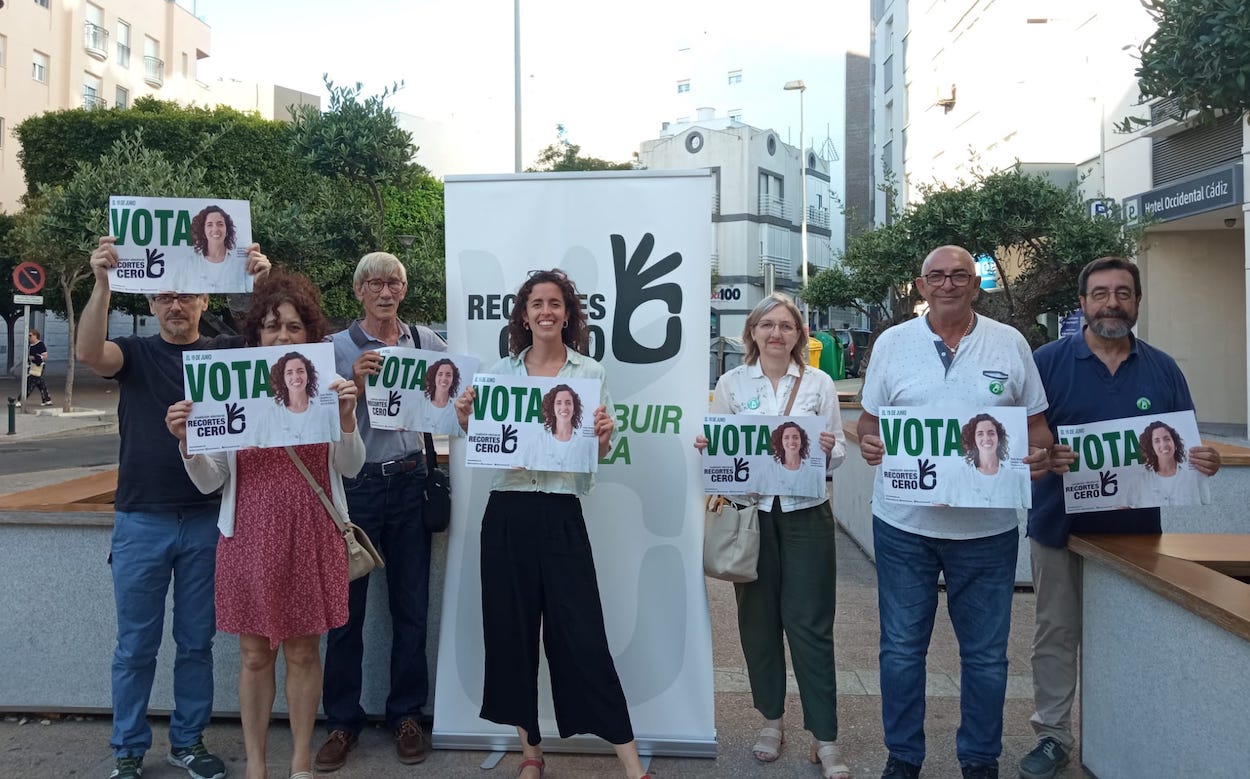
[1163,110]
[818,216]
[715,263]
[92,101]
[781,265]
[96,39]
[154,71]
[123,54]
[774,206]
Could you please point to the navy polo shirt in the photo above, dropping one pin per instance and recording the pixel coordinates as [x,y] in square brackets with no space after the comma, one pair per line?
[1081,390]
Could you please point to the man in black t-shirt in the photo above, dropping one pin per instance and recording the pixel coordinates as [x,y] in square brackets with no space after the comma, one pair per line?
[163,527]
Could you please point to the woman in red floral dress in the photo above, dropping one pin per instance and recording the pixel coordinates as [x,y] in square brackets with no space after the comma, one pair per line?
[281,567]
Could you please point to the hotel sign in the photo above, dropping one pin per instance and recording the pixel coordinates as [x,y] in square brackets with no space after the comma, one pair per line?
[1210,191]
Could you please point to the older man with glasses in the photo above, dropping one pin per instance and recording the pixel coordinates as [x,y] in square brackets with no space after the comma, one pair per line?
[386,499]
[950,357]
[163,526]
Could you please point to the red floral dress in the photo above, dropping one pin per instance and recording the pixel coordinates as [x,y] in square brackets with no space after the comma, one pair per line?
[284,572]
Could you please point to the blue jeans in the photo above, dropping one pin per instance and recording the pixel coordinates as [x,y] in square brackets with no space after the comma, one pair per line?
[147,549]
[389,509]
[980,580]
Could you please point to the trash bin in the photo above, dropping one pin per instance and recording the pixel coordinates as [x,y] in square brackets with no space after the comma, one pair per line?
[831,361]
[814,348]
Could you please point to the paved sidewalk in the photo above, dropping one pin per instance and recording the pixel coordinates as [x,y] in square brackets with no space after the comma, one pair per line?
[94,408]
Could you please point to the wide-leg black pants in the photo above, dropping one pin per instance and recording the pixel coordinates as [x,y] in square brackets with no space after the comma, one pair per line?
[537,570]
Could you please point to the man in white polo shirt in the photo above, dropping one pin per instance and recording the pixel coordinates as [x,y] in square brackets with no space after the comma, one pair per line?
[949,357]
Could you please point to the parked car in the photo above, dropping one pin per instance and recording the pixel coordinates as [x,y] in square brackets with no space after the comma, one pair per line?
[726,354]
[855,344]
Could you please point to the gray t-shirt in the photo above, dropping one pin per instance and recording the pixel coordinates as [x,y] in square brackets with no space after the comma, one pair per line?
[992,367]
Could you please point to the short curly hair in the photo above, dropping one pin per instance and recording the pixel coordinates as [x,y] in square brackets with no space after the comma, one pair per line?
[280,287]
[775,441]
[549,407]
[197,229]
[1146,443]
[968,440]
[278,387]
[432,371]
[575,334]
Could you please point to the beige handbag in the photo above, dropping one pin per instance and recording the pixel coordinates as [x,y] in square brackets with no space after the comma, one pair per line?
[362,557]
[731,531]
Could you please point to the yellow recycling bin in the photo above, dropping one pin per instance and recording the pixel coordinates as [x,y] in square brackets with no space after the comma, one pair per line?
[814,348]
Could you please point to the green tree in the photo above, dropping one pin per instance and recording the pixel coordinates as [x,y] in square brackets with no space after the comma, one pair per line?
[1038,235]
[62,224]
[356,139]
[9,311]
[416,211]
[564,155]
[1197,57]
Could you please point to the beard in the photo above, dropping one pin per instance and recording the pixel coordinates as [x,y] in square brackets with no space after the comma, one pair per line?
[1112,325]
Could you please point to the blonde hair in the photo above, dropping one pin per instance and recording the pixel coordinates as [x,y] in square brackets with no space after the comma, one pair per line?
[776,300]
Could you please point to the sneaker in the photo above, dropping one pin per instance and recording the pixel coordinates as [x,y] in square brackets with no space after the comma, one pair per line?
[900,769]
[128,768]
[197,761]
[979,771]
[47,403]
[1044,761]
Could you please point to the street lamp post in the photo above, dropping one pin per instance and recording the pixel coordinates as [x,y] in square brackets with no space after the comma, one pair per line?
[801,87]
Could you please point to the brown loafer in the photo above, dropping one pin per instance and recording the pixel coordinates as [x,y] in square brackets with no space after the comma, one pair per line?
[410,744]
[333,754]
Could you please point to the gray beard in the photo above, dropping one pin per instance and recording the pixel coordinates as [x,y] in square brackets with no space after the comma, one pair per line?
[1111,327]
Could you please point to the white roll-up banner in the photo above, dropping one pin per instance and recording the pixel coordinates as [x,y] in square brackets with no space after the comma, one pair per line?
[638,245]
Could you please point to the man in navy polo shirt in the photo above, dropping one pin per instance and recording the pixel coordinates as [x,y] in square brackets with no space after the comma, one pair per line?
[1100,373]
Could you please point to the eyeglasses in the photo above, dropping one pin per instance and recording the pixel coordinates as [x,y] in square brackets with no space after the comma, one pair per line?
[168,300]
[554,272]
[959,278]
[786,328]
[1102,294]
[376,285]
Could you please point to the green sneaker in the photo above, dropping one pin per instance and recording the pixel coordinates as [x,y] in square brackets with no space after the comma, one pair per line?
[197,761]
[1044,761]
[128,768]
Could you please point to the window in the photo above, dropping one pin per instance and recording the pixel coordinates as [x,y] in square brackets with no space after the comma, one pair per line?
[121,99]
[185,70]
[41,3]
[95,37]
[123,43]
[4,45]
[735,77]
[39,67]
[683,86]
[735,114]
[153,65]
[91,88]
[1,132]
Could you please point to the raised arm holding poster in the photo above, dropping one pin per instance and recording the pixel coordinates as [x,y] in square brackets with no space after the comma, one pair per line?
[964,457]
[264,396]
[180,244]
[536,423]
[1134,462]
[764,455]
[416,390]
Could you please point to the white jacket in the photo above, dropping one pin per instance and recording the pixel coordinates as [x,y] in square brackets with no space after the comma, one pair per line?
[219,470]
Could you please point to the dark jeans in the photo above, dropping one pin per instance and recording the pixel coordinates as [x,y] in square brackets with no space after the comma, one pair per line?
[389,509]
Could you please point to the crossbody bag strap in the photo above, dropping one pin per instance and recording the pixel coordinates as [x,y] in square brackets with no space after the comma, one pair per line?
[325,500]
[794,392]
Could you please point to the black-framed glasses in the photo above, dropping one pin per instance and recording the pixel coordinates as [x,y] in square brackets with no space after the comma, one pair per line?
[376,285]
[1102,294]
[960,278]
[165,299]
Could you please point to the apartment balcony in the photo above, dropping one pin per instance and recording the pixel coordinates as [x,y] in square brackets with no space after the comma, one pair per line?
[91,102]
[774,206]
[818,216]
[96,41]
[154,71]
[781,265]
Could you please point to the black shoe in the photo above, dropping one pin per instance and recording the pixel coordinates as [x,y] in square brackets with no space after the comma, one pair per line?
[979,771]
[900,769]
[197,761]
[128,768]
[1044,761]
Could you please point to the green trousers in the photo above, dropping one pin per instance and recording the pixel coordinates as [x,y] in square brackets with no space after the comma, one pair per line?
[795,594]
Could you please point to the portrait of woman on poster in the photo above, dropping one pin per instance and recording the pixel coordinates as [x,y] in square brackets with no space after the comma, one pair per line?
[794,598]
[561,447]
[1167,479]
[538,573]
[214,269]
[442,384]
[790,473]
[988,480]
[295,417]
[281,576]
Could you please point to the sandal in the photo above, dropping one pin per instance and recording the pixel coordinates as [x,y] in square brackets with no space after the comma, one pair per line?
[768,744]
[826,753]
[532,762]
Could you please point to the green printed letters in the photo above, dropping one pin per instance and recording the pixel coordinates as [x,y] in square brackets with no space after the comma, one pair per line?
[400,373]
[738,440]
[1109,450]
[508,404]
[243,379]
[934,437]
[138,226]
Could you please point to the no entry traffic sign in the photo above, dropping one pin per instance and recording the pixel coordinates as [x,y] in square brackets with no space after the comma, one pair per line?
[29,278]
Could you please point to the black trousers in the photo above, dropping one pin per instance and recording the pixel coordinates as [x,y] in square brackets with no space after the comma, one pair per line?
[537,571]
